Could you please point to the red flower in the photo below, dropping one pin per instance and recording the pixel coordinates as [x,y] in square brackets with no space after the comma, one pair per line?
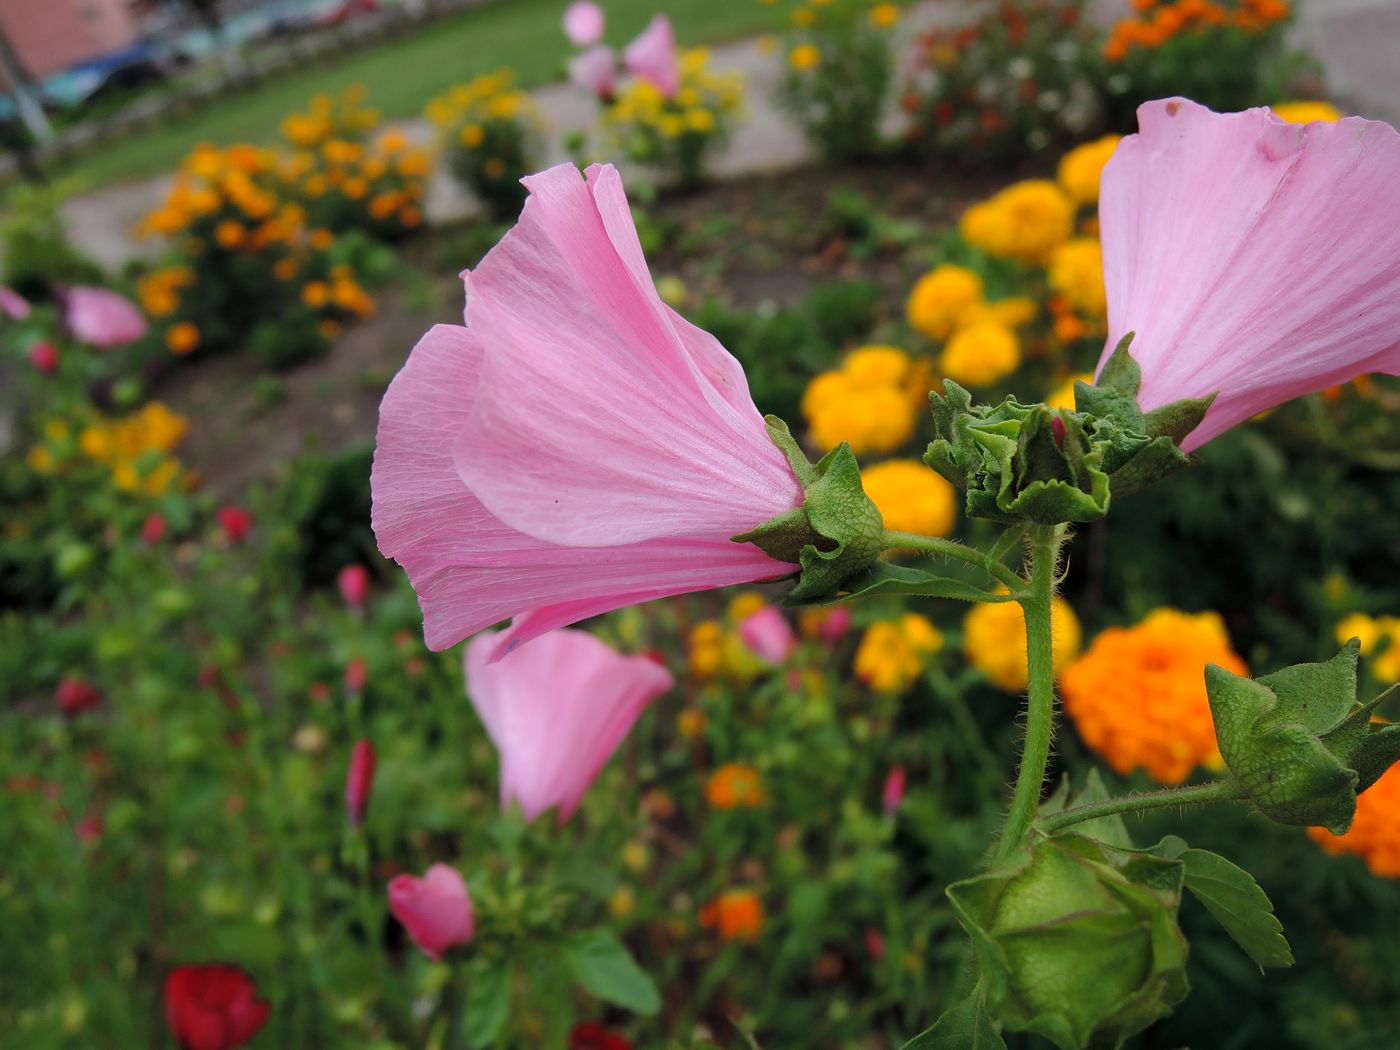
[235,521]
[358,781]
[213,1007]
[593,1036]
[74,696]
[44,357]
[353,581]
[153,530]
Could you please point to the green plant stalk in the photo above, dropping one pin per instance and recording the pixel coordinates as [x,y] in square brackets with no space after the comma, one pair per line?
[1200,794]
[1040,694]
[951,549]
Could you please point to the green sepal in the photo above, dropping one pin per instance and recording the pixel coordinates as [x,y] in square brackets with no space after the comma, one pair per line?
[838,531]
[1111,829]
[966,1026]
[1077,939]
[1297,741]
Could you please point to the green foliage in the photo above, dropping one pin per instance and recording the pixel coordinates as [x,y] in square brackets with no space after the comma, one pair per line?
[37,252]
[603,965]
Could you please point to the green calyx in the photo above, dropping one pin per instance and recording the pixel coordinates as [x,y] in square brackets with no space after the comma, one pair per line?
[1298,742]
[1034,463]
[836,533]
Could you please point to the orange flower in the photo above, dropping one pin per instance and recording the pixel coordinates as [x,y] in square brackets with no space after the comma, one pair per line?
[1374,835]
[1138,695]
[182,338]
[736,914]
[733,785]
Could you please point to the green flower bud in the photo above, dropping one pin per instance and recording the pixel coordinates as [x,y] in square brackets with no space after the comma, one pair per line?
[836,533]
[1077,940]
[1297,741]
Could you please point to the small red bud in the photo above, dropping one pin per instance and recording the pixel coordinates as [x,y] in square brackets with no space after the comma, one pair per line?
[359,779]
[44,357]
[893,793]
[353,581]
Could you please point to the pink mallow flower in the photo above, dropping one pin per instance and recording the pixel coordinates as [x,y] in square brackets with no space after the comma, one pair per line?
[583,23]
[436,910]
[768,635]
[556,711]
[1250,256]
[102,318]
[595,70]
[13,305]
[653,58]
[579,446]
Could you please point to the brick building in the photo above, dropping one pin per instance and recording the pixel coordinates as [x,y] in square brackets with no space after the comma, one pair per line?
[48,36]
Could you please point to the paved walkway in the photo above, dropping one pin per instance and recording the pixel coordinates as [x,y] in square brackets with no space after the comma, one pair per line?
[1357,41]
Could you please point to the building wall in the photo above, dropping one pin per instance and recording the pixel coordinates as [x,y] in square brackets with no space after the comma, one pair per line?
[50,35]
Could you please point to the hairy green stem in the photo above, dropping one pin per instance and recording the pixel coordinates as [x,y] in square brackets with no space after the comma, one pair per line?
[1040,693]
[1215,791]
[951,549]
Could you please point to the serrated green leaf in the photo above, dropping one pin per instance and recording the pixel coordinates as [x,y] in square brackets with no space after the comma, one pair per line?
[1239,904]
[965,1027]
[488,1005]
[604,966]
[1316,695]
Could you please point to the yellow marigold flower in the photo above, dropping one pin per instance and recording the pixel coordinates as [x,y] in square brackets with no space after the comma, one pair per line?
[942,299]
[229,234]
[410,216]
[734,785]
[876,365]
[182,338]
[1076,273]
[1307,112]
[911,497]
[736,915]
[284,269]
[1366,629]
[876,420]
[706,648]
[355,187]
[1009,313]
[1063,395]
[701,121]
[743,605]
[804,57]
[884,15]
[472,135]
[315,294]
[40,460]
[1138,697]
[1374,835]
[1081,168]
[892,654]
[1023,222]
[994,641]
[321,240]
[95,442]
[823,390]
[691,723]
[981,354]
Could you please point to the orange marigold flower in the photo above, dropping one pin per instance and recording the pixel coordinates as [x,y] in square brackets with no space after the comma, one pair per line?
[737,915]
[182,338]
[1138,695]
[1374,835]
[733,785]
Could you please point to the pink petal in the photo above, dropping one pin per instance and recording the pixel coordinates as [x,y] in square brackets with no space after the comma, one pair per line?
[594,70]
[1252,257]
[652,56]
[768,635]
[583,23]
[13,305]
[102,318]
[557,711]
[436,910]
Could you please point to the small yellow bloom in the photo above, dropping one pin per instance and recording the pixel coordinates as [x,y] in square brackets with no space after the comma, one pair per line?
[1081,168]
[315,294]
[229,234]
[1075,271]
[875,365]
[981,354]
[884,15]
[804,57]
[911,497]
[941,300]
[734,786]
[472,135]
[182,338]
[892,654]
[994,641]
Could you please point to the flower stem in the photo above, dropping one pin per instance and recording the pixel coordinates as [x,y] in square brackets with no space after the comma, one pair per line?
[1215,791]
[1040,694]
[951,549]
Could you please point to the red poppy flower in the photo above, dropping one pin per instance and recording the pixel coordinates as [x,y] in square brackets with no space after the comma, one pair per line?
[213,1007]
[593,1036]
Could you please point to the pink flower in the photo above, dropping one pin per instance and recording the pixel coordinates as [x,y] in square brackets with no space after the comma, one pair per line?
[43,355]
[353,582]
[595,70]
[652,56]
[768,635]
[1250,256]
[153,529]
[556,711]
[356,675]
[579,446]
[74,696]
[234,522]
[583,23]
[359,779]
[13,305]
[101,317]
[835,624]
[893,792]
[436,909]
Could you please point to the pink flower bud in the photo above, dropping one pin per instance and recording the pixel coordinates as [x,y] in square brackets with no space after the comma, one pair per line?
[353,581]
[356,674]
[653,56]
[893,793]
[359,779]
[74,696]
[583,23]
[768,635]
[44,356]
[13,305]
[836,624]
[436,910]
[153,530]
[235,522]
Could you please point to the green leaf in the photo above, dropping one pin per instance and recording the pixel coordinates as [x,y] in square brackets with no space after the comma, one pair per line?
[603,965]
[885,578]
[1239,904]
[488,1005]
[965,1027]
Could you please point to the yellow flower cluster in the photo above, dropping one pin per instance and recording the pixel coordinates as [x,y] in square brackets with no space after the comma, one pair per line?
[135,449]
[1024,222]
[994,641]
[872,401]
[330,117]
[947,304]
[716,648]
[893,653]
[159,290]
[1081,168]
[1374,835]
[1075,273]
[232,184]
[1307,112]
[911,497]
[1138,695]
[1380,641]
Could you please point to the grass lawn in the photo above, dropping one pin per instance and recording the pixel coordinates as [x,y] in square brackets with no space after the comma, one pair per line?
[407,71]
